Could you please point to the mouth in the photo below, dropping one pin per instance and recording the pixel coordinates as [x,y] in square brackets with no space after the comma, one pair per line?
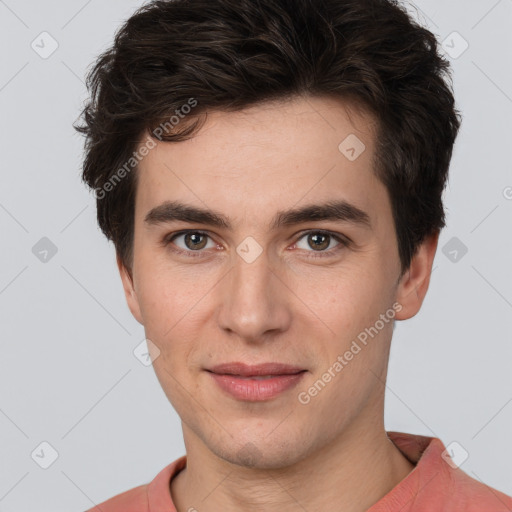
[256,383]
[263,370]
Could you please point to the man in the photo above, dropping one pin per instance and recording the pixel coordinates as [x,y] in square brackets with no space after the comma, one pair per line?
[270,172]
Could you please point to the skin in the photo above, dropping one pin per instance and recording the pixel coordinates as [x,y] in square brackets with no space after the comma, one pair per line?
[285,306]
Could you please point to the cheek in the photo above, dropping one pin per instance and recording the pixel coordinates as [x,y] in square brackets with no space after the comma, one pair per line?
[165,296]
[171,304]
[352,308]
[351,300]
[156,305]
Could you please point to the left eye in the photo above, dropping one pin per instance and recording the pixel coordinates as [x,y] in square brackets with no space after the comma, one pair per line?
[320,241]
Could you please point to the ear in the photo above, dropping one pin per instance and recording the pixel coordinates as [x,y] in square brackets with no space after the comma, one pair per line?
[413,285]
[129,290]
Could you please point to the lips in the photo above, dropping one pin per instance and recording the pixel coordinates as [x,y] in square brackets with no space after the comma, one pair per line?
[260,370]
[256,383]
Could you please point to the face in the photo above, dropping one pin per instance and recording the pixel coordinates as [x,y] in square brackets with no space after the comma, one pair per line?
[254,283]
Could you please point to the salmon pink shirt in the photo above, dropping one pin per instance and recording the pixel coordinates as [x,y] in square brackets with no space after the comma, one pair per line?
[433,485]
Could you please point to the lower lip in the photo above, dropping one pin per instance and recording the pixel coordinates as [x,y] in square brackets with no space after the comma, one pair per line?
[254,390]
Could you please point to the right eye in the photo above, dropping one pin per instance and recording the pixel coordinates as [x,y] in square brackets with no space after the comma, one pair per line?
[193,241]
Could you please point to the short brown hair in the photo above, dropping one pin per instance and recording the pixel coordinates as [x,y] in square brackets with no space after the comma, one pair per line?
[231,54]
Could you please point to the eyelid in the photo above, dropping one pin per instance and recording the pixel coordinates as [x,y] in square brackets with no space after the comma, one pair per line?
[337,236]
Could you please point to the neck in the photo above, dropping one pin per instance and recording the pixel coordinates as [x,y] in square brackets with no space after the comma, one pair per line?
[351,473]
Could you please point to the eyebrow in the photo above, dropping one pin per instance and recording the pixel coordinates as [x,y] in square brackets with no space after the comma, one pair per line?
[341,210]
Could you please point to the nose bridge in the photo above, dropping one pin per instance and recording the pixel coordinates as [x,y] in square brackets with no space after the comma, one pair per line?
[252,303]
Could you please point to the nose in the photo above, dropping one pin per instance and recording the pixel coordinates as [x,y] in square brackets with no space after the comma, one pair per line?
[254,302]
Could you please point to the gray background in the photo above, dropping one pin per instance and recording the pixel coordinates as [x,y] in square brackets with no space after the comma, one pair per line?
[68,375]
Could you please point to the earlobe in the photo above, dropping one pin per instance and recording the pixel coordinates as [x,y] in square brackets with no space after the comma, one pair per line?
[129,291]
[413,285]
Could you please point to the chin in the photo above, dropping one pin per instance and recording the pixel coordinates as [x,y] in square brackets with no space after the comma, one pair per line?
[262,454]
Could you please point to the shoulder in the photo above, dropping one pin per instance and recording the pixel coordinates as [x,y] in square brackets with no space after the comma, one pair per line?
[475,495]
[154,496]
[437,482]
[134,500]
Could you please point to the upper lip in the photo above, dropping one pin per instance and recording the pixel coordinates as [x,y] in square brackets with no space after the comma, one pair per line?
[246,370]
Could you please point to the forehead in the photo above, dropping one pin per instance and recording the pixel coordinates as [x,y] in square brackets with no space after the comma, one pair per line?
[267,157]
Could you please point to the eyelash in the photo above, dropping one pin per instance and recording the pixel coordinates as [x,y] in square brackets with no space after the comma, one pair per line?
[343,242]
